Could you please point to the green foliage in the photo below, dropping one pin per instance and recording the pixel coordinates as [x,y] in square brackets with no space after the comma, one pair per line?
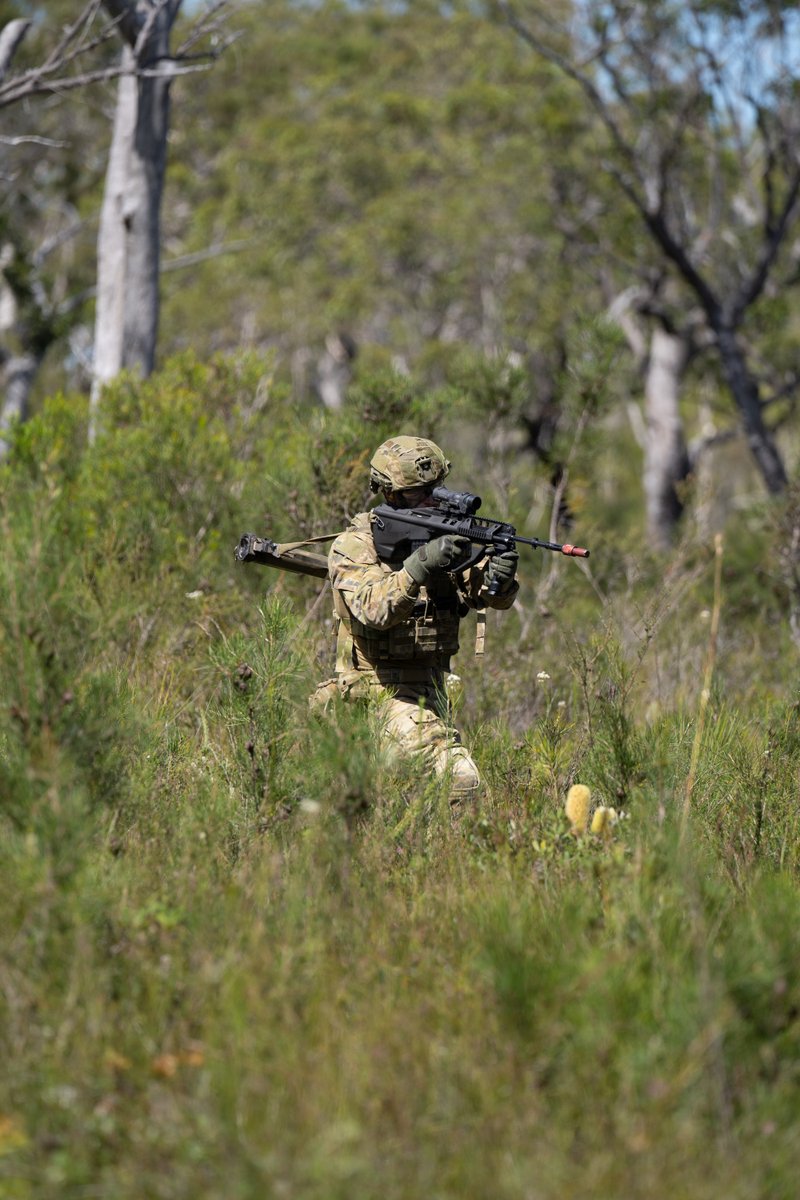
[244,952]
[239,939]
[390,170]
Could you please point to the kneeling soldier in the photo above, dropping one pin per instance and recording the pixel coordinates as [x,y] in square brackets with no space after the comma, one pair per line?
[397,623]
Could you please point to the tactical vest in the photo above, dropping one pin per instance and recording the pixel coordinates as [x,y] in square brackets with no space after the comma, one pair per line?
[424,641]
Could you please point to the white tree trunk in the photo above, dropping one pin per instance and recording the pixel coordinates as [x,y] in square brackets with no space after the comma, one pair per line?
[116,217]
[335,370]
[19,373]
[128,248]
[666,461]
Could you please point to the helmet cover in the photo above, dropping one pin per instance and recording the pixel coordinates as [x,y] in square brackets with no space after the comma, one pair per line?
[406,462]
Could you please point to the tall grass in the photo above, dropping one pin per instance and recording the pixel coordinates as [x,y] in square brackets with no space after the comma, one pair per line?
[243,955]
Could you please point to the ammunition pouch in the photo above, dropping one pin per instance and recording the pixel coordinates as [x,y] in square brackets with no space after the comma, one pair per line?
[422,643]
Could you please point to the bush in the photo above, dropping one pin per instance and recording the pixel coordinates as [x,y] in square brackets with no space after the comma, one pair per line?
[238,941]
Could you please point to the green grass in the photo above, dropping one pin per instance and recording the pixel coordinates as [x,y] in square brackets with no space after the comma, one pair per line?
[242,956]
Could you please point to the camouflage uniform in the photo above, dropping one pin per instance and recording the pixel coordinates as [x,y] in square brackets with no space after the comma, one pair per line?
[395,639]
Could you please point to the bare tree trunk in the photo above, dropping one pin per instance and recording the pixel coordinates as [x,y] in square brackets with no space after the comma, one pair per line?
[666,461]
[25,311]
[745,392]
[128,246]
[335,370]
[19,373]
[666,457]
[128,249]
[112,242]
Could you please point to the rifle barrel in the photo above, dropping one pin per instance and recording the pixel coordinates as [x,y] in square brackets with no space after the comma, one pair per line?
[570,551]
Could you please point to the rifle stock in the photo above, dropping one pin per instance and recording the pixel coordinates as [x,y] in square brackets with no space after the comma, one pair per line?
[298,561]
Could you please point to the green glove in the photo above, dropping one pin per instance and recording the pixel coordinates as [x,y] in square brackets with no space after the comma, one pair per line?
[442,554]
[501,571]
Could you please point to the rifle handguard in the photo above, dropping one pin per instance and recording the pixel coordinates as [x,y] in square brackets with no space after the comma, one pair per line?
[398,532]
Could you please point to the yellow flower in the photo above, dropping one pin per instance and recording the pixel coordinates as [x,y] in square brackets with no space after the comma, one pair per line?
[577,807]
[603,819]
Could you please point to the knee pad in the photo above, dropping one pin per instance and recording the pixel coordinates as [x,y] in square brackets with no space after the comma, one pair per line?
[465,780]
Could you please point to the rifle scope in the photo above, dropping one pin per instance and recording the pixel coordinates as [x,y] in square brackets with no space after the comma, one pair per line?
[461,502]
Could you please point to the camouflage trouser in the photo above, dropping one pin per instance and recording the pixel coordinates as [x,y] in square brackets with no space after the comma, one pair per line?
[414,720]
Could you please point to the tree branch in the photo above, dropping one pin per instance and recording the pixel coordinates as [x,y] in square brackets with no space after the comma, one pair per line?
[583,81]
[32,140]
[752,289]
[51,74]
[652,211]
[58,55]
[53,77]
[206,25]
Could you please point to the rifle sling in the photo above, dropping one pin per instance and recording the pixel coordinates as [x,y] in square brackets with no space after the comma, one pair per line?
[293,556]
[281,547]
[480,633]
[286,556]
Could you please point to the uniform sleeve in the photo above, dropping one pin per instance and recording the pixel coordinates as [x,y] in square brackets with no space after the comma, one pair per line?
[374,596]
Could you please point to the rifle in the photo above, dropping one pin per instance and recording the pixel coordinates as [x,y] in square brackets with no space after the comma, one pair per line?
[287,556]
[398,532]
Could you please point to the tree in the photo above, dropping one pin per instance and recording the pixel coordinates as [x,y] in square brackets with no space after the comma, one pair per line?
[63,67]
[698,105]
[45,60]
[129,241]
[662,353]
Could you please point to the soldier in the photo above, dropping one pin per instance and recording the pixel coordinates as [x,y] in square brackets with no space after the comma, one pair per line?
[397,623]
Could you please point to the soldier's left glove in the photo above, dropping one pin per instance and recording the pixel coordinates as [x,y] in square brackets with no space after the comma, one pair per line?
[501,571]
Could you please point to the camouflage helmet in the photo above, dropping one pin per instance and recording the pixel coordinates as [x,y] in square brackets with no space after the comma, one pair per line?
[406,462]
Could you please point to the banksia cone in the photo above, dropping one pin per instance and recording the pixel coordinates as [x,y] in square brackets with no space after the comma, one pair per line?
[577,807]
[603,819]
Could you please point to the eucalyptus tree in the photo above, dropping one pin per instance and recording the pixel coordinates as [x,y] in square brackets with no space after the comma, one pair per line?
[696,102]
[49,156]
[46,59]
[129,240]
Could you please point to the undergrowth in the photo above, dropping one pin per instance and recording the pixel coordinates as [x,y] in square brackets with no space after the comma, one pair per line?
[243,954]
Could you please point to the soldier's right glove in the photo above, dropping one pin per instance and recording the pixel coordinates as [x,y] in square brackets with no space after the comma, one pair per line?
[442,554]
[501,571]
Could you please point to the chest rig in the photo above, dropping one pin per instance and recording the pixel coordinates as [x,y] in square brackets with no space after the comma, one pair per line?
[425,639]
